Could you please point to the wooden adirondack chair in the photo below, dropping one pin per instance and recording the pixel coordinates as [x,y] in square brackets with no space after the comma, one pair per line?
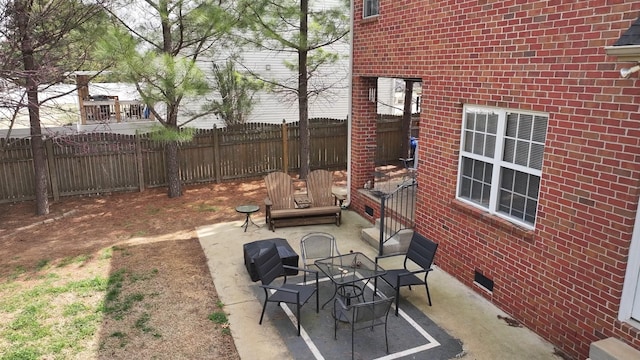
[279,190]
[279,193]
[319,185]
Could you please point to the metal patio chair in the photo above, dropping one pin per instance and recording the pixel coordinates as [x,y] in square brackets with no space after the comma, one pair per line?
[366,315]
[269,267]
[317,245]
[417,261]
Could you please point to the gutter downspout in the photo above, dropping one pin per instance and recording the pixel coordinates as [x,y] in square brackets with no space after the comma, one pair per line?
[349,107]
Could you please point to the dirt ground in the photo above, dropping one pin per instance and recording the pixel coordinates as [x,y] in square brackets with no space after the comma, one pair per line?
[161,229]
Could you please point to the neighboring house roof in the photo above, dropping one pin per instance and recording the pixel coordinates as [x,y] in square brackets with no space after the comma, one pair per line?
[627,47]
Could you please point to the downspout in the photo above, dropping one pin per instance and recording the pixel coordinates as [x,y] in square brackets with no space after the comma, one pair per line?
[347,202]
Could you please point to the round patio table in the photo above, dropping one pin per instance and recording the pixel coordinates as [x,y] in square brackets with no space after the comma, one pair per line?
[247,210]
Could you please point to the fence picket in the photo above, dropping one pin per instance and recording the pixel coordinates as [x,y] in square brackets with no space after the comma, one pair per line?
[106,162]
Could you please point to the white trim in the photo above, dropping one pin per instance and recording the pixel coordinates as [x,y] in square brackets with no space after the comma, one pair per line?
[631,277]
[496,161]
[364,9]
[349,112]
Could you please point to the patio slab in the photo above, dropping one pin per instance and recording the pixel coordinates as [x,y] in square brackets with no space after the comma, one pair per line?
[412,335]
[457,310]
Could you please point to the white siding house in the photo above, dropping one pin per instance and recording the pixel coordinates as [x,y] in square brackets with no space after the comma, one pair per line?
[62,115]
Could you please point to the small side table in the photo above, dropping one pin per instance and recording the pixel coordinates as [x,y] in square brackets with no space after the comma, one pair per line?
[302,201]
[247,210]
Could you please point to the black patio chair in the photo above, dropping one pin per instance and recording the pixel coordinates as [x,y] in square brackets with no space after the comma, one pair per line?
[417,261]
[362,316]
[269,267]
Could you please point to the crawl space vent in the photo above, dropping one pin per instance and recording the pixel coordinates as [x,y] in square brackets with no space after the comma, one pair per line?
[483,281]
[369,210]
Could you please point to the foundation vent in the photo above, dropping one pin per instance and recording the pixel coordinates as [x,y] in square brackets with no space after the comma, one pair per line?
[369,210]
[483,281]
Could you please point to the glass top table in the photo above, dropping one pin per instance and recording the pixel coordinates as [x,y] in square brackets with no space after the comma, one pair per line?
[348,269]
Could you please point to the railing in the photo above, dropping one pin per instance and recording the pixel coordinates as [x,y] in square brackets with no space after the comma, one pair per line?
[397,211]
[110,109]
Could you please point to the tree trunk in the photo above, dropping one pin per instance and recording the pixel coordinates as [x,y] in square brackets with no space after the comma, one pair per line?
[172,156]
[37,144]
[405,145]
[303,99]
[173,169]
[171,152]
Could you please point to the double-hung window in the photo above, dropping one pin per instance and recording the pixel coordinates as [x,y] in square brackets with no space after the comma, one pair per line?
[501,161]
[370,8]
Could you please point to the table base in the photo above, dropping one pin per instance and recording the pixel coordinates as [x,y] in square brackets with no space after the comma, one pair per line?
[247,221]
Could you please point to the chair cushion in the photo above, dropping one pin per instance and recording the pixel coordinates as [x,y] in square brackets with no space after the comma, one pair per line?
[391,277]
[306,292]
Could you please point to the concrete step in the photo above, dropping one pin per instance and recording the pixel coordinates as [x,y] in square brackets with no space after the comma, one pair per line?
[612,349]
[387,221]
[397,244]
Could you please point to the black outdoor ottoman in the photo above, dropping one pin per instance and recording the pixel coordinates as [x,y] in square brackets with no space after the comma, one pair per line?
[254,249]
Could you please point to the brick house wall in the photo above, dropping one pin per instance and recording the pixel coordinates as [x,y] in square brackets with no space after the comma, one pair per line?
[564,278]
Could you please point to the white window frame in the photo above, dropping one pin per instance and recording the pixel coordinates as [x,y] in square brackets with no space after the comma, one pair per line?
[496,161]
[364,8]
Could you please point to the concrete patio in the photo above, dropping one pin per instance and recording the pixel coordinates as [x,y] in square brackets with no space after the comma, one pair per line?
[463,314]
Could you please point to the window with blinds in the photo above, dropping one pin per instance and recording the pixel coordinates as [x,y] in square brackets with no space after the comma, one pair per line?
[501,161]
[370,8]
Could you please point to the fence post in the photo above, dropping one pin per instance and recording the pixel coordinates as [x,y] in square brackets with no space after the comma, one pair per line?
[217,170]
[116,109]
[51,166]
[139,162]
[285,147]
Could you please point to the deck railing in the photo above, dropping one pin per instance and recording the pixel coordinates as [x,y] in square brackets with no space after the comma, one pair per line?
[110,108]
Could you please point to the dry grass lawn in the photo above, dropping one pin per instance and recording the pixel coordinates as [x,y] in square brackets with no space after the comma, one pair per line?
[134,257]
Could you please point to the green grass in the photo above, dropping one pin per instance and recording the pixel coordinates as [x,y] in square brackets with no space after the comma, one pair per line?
[220,318]
[49,316]
[202,207]
[123,250]
[152,210]
[42,324]
[80,259]
[139,233]
[122,337]
[106,254]
[42,264]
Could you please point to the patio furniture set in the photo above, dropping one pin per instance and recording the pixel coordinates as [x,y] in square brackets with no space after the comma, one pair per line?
[272,260]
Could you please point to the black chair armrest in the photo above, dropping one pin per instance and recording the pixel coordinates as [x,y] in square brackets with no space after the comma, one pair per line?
[338,301]
[300,269]
[415,272]
[389,255]
[279,288]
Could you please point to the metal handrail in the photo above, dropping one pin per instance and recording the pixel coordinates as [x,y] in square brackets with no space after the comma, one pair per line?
[397,212]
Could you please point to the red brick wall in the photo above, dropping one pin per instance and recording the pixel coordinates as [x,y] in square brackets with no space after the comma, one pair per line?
[363,138]
[563,279]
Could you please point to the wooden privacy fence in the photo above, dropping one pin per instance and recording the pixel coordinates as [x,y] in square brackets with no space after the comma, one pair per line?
[99,163]
[388,138]
[104,162]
